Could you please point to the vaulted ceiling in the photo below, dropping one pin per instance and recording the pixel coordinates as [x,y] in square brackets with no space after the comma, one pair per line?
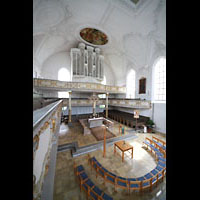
[136,30]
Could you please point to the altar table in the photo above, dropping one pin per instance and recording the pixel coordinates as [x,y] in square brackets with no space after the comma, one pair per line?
[123,146]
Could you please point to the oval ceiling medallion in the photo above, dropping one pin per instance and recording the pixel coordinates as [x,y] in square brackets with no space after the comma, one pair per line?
[93,36]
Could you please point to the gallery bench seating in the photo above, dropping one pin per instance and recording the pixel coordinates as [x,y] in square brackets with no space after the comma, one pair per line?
[138,184]
[92,191]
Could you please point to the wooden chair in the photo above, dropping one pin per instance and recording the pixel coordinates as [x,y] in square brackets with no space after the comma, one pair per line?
[122,183]
[159,142]
[161,174]
[104,196]
[82,179]
[96,193]
[149,143]
[99,171]
[153,181]
[159,147]
[135,185]
[145,184]
[111,178]
[138,184]
[87,186]
[78,169]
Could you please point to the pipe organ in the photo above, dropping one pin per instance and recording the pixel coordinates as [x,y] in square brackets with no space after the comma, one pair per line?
[87,61]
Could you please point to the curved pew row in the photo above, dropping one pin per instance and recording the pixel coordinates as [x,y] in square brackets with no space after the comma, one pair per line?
[92,191]
[138,184]
[160,143]
[156,149]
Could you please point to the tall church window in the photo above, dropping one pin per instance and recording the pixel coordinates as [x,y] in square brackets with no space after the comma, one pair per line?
[160,80]
[130,84]
[63,75]
[104,80]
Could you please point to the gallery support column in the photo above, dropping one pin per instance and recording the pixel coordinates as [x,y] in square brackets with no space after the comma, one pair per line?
[106,105]
[70,108]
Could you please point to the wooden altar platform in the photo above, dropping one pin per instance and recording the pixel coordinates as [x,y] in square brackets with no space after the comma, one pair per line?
[93,123]
[98,133]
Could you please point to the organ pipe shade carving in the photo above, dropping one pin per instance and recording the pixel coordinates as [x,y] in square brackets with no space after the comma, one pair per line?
[87,61]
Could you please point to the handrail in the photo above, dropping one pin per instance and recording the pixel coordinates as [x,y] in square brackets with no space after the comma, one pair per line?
[40,114]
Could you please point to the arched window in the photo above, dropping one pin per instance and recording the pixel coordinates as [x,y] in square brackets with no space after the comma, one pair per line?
[130,84]
[63,75]
[104,80]
[159,80]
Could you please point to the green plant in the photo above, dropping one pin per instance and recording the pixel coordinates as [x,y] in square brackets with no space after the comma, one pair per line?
[150,123]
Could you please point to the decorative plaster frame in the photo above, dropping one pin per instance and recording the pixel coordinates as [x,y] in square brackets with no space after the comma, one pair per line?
[94,26]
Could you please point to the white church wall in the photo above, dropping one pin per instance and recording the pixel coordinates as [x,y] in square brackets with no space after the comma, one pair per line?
[159,117]
[159,109]
[143,73]
[54,63]
[79,110]
[110,76]
[36,69]
[41,153]
[60,60]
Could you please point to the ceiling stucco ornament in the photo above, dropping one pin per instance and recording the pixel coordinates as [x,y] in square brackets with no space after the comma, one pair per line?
[136,47]
[132,7]
[135,1]
[159,22]
[49,15]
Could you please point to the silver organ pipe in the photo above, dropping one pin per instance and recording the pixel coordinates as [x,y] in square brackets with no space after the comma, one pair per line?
[87,61]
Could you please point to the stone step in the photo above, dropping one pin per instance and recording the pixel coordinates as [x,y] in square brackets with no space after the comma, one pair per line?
[77,151]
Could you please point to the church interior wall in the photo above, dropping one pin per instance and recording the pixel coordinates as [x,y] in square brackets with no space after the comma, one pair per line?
[79,110]
[54,63]
[159,117]
[136,38]
[41,157]
[143,73]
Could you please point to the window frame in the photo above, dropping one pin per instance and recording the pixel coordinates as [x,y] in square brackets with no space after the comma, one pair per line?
[154,100]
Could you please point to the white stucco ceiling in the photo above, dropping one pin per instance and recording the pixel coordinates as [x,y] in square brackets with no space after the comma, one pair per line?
[134,29]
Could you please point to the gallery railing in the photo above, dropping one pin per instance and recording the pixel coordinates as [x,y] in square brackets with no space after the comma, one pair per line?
[46,123]
[49,84]
[128,103]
